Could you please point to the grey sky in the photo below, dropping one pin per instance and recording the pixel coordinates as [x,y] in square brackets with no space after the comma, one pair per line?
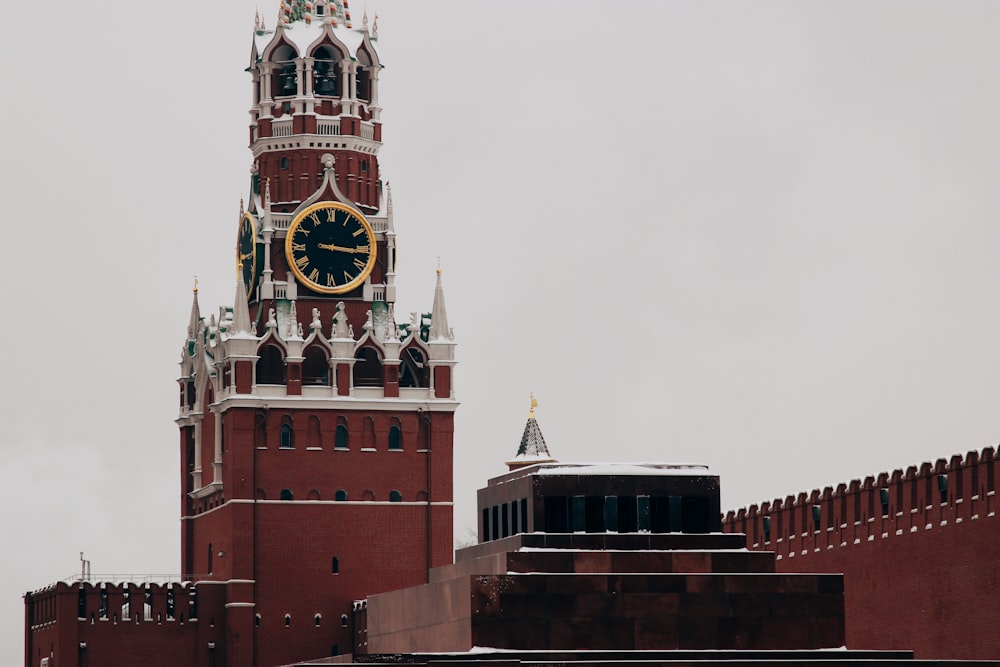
[761,236]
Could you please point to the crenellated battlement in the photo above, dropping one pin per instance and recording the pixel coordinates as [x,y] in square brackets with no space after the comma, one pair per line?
[113,602]
[933,495]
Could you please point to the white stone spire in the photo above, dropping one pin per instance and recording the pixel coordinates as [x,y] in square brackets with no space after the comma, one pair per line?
[195,314]
[439,314]
[241,312]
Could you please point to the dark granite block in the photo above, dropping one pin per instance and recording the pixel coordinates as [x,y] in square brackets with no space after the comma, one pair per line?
[592,561]
[525,584]
[739,633]
[806,604]
[597,605]
[656,633]
[693,561]
[703,583]
[559,605]
[755,605]
[577,583]
[797,583]
[694,632]
[696,605]
[830,583]
[640,605]
[750,583]
[665,583]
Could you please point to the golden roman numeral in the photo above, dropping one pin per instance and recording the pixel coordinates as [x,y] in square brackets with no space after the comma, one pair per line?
[347,277]
[314,275]
[302,262]
[363,249]
[298,247]
[358,264]
[315,218]
[330,280]
[358,232]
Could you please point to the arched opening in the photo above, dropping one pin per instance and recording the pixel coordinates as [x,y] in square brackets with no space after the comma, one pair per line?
[271,365]
[315,367]
[413,370]
[313,494]
[342,439]
[395,496]
[313,439]
[395,437]
[367,368]
[341,495]
[287,436]
[343,620]
[362,80]
[326,71]
[286,494]
[288,620]
[335,566]
[285,77]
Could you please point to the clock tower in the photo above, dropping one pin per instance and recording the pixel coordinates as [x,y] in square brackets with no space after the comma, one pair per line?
[315,430]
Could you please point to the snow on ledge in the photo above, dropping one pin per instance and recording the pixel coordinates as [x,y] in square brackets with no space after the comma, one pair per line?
[644,469]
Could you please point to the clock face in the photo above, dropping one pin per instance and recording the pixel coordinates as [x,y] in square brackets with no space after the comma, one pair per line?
[330,248]
[246,252]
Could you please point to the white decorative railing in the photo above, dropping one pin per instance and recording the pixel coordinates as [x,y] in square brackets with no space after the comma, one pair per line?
[378,292]
[281,128]
[368,131]
[379,224]
[327,128]
[281,221]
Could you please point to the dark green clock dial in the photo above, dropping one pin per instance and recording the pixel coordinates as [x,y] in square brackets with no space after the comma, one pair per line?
[330,248]
[246,252]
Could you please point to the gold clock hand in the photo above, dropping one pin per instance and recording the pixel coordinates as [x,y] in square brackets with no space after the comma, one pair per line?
[335,248]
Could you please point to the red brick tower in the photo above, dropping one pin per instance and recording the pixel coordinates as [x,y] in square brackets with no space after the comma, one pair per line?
[315,432]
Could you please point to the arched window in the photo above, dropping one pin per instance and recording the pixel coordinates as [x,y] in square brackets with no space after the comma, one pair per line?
[313,494]
[341,495]
[288,620]
[256,620]
[413,369]
[343,620]
[326,71]
[362,80]
[316,619]
[270,366]
[287,436]
[315,367]
[285,80]
[335,566]
[367,368]
[313,432]
[395,496]
[286,494]
[341,440]
[395,437]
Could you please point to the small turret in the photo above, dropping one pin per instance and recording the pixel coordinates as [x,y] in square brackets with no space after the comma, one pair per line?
[533,449]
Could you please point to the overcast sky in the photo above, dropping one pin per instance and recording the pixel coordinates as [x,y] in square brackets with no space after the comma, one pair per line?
[757,235]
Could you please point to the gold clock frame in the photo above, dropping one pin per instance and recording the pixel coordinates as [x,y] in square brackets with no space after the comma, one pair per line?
[301,277]
[253,253]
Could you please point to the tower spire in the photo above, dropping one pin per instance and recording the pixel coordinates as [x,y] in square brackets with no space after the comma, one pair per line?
[439,314]
[195,313]
[241,312]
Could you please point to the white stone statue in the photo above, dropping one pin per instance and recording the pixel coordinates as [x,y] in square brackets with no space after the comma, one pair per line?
[316,324]
[341,328]
[369,322]
[272,321]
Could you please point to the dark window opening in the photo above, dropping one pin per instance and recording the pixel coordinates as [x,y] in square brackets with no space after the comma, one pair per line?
[341,495]
[341,439]
[270,366]
[316,619]
[767,529]
[335,565]
[555,514]
[210,554]
[287,439]
[284,163]
[81,603]
[943,487]
[395,437]
[627,518]
[395,496]
[367,368]
[103,609]
[504,521]
[413,369]
[343,620]
[286,494]
[883,496]
[817,515]
[256,620]
[315,367]
[288,620]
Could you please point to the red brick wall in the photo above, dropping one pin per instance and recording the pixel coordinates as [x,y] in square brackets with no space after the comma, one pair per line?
[920,571]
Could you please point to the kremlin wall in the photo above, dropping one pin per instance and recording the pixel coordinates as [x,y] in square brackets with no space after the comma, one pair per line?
[919,550]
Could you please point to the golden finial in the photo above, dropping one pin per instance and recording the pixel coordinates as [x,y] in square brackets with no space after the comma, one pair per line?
[439,266]
[196,284]
[534,404]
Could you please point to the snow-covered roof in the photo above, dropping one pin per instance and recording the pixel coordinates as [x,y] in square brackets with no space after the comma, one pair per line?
[302,26]
[643,469]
